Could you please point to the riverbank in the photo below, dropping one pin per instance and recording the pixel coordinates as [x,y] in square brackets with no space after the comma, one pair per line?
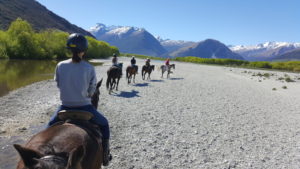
[202,117]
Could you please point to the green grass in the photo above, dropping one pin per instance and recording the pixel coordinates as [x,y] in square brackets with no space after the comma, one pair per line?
[293,66]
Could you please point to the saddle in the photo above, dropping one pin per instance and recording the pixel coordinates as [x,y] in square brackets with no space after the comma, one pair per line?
[81,119]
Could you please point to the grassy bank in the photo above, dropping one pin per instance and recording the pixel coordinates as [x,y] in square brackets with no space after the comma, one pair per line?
[293,66]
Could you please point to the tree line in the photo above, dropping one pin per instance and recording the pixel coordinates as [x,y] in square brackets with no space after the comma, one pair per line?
[21,41]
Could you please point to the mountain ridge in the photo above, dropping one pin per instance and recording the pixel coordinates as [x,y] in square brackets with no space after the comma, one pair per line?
[36,14]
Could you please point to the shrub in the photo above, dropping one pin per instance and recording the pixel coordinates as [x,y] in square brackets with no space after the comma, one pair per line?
[20,41]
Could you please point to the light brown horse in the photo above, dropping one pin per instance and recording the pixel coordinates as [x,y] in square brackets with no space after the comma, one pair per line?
[147,69]
[131,71]
[62,146]
[165,68]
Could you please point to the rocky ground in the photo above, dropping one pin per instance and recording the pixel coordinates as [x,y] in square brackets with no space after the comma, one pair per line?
[201,117]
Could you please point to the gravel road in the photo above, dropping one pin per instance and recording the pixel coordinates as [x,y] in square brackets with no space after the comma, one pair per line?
[201,117]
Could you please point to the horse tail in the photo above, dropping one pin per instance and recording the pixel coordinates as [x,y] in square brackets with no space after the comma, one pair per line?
[108,81]
[127,73]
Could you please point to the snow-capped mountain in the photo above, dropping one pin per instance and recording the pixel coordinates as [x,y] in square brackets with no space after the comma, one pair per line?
[264,51]
[208,48]
[129,39]
[173,45]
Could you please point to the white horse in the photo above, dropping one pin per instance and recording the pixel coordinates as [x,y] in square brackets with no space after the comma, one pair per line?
[165,68]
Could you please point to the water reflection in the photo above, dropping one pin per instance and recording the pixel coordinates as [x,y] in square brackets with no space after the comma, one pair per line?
[18,73]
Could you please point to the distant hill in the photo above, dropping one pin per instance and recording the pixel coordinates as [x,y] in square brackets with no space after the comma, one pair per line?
[173,45]
[129,39]
[293,55]
[36,14]
[264,51]
[209,48]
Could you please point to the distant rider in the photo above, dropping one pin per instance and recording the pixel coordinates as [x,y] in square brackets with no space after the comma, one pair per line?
[115,62]
[133,63]
[148,62]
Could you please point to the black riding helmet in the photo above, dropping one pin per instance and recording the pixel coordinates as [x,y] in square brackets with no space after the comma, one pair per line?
[77,43]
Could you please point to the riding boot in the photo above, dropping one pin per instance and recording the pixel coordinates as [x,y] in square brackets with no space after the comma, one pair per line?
[106,152]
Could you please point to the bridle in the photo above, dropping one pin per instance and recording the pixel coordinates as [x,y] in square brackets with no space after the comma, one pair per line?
[55,159]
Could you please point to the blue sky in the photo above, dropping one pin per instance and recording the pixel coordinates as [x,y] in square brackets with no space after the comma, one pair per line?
[233,22]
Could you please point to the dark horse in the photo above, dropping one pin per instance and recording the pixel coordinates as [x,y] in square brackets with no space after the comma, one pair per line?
[113,77]
[63,146]
[147,69]
[131,71]
[165,68]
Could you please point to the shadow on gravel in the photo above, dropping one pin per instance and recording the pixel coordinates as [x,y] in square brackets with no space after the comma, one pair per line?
[157,81]
[141,84]
[131,94]
[177,78]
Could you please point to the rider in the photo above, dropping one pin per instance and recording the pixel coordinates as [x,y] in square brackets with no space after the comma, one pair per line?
[148,62]
[76,80]
[167,63]
[115,62]
[133,62]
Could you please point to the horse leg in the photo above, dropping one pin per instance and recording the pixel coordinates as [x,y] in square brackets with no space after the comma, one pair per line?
[134,78]
[117,84]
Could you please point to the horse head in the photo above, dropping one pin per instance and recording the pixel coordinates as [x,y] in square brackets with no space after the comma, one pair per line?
[32,159]
[95,97]
[173,66]
[152,67]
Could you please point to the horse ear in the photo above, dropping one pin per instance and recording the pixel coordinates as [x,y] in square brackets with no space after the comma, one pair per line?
[28,156]
[75,157]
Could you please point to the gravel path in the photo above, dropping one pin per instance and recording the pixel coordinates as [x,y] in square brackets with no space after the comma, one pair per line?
[202,117]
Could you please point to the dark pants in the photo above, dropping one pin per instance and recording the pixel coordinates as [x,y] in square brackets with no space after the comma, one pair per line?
[98,118]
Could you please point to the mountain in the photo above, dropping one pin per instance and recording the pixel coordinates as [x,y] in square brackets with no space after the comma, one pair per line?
[36,14]
[208,48]
[129,39]
[265,51]
[173,45]
[293,55]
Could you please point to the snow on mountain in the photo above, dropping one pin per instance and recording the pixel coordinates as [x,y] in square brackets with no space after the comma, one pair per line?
[264,51]
[129,39]
[173,45]
[266,45]
[117,30]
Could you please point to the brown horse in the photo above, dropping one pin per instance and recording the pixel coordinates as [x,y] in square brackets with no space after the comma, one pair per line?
[62,146]
[165,68]
[113,77]
[147,69]
[131,71]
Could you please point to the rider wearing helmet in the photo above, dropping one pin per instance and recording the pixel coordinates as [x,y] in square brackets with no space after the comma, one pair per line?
[167,62]
[76,80]
[115,62]
[148,62]
[133,63]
